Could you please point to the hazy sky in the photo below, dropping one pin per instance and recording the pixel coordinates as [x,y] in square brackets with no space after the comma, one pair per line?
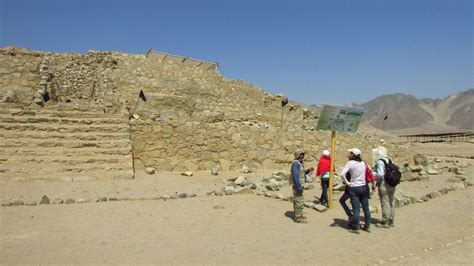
[314,51]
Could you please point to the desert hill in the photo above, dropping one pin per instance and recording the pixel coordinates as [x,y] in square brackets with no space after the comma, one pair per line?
[402,113]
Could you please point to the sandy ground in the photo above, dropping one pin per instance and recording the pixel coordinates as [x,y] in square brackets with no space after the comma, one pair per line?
[237,229]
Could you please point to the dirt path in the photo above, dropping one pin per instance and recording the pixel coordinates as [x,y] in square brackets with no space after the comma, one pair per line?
[239,229]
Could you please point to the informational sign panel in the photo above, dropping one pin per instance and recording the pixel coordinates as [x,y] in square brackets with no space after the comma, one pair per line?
[340,118]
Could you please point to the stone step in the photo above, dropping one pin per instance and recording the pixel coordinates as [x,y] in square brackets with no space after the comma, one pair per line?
[119,143]
[17,112]
[66,121]
[96,175]
[66,128]
[64,152]
[33,167]
[8,134]
[39,159]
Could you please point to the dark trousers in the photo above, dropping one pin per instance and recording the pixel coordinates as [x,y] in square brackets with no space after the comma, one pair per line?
[342,201]
[359,196]
[324,193]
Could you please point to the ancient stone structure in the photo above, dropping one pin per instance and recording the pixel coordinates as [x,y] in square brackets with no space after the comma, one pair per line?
[192,119]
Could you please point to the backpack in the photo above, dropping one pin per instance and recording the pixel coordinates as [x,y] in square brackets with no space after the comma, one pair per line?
[369,175]
[392,174]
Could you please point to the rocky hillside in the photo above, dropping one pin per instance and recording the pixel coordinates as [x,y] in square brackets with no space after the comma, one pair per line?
[401,113]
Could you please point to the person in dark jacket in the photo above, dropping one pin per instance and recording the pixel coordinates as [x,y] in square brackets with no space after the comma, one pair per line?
[297,180]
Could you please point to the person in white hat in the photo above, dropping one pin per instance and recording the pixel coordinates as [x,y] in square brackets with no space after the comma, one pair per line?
[358,190]
[386,192]
[324,166]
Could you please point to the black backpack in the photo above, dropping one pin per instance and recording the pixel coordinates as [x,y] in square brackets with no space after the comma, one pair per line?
[392,174]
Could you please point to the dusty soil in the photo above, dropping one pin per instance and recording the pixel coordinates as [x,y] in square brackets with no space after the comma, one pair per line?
[237,229]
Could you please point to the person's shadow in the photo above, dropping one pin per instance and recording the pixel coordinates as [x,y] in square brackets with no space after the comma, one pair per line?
[338,222]
[290,214]
[343,223]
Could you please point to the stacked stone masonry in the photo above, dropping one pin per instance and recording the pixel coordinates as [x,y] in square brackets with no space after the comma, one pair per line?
[71,143]
[192,119]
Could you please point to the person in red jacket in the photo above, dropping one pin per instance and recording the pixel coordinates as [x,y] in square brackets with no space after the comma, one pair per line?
[324,166]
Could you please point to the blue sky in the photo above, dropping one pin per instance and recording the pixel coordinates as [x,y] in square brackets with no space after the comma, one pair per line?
[334,52]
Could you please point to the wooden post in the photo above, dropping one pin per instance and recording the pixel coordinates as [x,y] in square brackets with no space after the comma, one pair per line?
[331,169]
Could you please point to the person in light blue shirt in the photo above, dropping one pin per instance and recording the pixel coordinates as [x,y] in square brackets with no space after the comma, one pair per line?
[386,192]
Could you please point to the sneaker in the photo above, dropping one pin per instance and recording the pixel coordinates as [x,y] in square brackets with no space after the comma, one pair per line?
[383,225]
[365,228]
[302,221]
[354,231]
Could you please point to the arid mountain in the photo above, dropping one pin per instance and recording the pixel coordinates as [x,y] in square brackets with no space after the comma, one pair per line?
[401,113]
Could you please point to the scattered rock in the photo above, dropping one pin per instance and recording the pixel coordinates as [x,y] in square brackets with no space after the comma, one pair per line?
[7,203]
[81,200]
[214,171]
[102,199]
[420,159]
[280,196]
[150,170]
[70,201]
[229,190]
[415,169]
[30,203]
[165,197]
[240,181]
[246,170]
[434,194]
[58,201]
[187,173]
[18,203]
[192,195]
[44,200]
[268,194]
[272,187]
[309,187]
[432,171]
[183,195]
[283,174]
[113,199]
[444,191]
[425,198]
[459,185]
[218,207]
[320,208]
[458,171]
[456,179]
[244,190]
[248,167]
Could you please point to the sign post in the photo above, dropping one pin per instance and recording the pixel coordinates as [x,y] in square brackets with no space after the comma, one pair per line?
[337,118]
[331,169]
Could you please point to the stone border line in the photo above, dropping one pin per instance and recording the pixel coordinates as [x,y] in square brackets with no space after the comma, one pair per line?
[426,250]
[400,201]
